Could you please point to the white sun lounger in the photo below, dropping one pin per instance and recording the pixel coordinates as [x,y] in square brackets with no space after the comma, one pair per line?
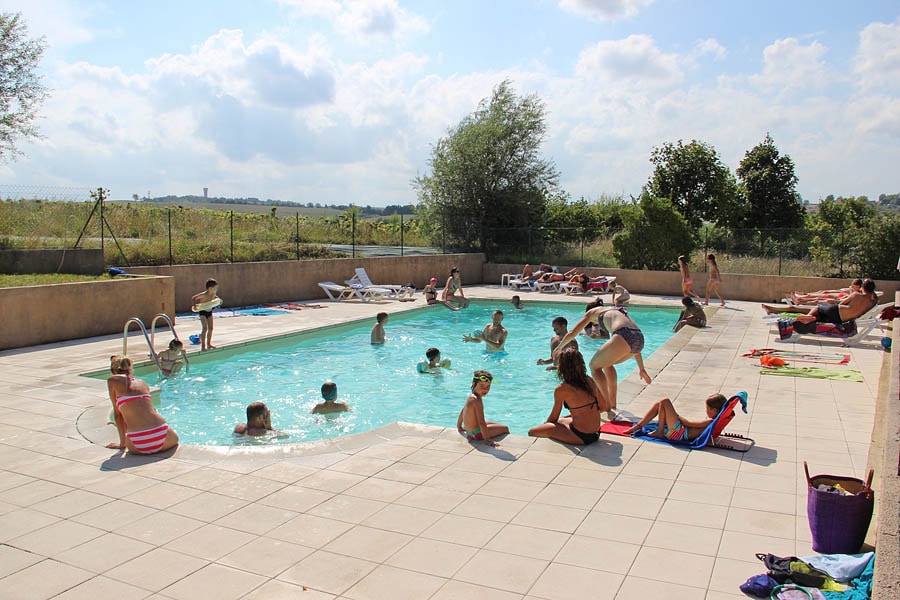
[336,291]
[339,292]
[363,280]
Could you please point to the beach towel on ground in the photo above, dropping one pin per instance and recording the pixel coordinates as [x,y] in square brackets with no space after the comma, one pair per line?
[787,327]
[860,587]
[836,358]
[814,373]
[841,567]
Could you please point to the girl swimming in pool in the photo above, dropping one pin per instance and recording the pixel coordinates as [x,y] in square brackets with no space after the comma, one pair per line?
[625,341]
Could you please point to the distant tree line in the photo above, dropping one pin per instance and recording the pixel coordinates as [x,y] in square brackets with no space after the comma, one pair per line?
[363,211]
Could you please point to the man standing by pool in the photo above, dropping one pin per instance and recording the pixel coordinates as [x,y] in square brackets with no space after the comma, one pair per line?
[493,335]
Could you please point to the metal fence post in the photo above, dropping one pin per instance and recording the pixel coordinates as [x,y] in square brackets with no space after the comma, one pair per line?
[401,234]
[231,234]
[297,236]
[169,214]
[353,232]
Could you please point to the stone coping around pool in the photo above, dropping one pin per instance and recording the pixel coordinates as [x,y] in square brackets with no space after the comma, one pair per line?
[93,423]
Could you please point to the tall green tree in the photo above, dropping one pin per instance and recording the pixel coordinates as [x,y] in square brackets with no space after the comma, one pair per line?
[836,230]
[770,188]
[875,253]
[21,89]
[655,235]
[697,182]
[488,181]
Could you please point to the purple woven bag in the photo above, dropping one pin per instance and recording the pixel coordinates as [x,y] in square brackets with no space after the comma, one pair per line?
[839,522]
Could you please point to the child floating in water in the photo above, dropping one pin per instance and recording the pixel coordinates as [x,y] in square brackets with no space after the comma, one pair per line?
[517,302]
[434,364]
[673,426]
[471,418]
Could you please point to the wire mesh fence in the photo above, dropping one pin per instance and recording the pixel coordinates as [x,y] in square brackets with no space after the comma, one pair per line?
[149,233]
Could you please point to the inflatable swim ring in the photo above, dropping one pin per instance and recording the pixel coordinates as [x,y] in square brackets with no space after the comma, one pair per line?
[207,305]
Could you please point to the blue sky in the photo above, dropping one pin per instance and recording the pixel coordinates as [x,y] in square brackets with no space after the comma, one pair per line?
[339,101]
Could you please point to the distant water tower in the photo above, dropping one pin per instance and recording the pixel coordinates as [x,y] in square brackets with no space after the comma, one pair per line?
[206,192]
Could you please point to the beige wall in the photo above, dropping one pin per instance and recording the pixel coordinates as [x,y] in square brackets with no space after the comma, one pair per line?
[756,288]
[42,314]
[245,284]
[51,313]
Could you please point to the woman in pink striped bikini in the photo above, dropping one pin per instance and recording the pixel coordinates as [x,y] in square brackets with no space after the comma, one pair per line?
[141,429]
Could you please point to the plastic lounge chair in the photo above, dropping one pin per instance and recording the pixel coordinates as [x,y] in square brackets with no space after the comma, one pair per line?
[714,433]
[571,289]
[362,281]
[607,285]
[850,333]
[336,291]
[552,286]
[518,284]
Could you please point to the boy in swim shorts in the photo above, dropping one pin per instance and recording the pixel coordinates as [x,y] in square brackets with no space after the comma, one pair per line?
[471,421]
[672,426]
[434,364]
[206,318]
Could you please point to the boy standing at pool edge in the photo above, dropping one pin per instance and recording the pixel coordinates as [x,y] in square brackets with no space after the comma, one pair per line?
[471,420]
[206,318]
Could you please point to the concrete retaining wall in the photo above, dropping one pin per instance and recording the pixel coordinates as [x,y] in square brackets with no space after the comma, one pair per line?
[245,284]
[756,288]
[78,261]
[42,314]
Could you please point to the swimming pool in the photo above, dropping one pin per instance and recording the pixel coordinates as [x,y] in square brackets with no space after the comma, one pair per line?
[380,382]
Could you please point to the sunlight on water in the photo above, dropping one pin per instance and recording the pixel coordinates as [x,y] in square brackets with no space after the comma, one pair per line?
[380,382]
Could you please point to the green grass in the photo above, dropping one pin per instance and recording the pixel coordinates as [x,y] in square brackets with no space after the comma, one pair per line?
[47,279]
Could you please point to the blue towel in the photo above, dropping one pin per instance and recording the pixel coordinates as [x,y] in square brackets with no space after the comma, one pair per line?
[861,587]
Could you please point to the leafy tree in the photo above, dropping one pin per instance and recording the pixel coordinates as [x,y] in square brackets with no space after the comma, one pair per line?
[836,228]
[21,90]
[699,185]
[770,188]
[488,181]
[655,235]
[875,254]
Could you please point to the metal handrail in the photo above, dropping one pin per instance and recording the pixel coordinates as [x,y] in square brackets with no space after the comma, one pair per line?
[146,337]
[171,323]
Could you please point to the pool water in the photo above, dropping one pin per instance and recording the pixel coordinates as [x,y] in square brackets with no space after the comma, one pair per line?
[380,382]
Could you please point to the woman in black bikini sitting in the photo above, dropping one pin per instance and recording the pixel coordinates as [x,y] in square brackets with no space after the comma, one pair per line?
[581,397]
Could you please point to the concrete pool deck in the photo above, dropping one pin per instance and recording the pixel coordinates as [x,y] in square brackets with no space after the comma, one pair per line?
[416,512]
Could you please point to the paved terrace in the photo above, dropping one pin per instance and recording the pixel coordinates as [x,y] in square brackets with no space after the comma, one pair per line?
[416,512]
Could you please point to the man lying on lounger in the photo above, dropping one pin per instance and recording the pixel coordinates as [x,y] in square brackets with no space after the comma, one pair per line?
[853,306]
[857,304]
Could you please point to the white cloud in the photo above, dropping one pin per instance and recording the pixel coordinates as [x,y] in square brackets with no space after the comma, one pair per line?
[789,65]
[604,10]
[878,57]
[710,46]
[635,60]
[361,20]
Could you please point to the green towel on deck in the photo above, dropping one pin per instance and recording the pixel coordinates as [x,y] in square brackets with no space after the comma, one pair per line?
[815,373]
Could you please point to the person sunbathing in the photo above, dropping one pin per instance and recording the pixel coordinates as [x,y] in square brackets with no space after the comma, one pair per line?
[831,296]
[673,426]
[853,306]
